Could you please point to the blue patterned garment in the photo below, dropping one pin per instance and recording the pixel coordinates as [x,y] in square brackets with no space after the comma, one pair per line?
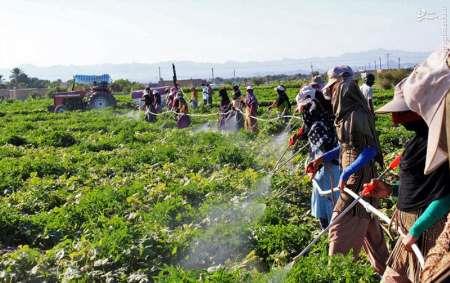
[319,129]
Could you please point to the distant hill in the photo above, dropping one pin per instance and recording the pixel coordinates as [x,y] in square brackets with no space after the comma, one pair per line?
[186,69]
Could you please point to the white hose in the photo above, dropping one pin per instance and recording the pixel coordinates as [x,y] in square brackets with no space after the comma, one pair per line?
[380,215]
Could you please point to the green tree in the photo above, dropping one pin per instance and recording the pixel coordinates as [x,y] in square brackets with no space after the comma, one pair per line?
[19,78]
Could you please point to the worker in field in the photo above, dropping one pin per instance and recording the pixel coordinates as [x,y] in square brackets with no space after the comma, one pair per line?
[282,103]
[423,200]
[366,88]
[194,98]
[149,105]
[318,130]
[210,94]
[251,109]
[171,97]
[205,94]
[238,106]
[437,261]
[358,150]
[225,113]
[426,92]
[317,82]
[158,101]
[181,109]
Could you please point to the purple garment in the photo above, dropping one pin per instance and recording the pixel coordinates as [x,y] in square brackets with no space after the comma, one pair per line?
[225,116]
[252,103]
[183,121]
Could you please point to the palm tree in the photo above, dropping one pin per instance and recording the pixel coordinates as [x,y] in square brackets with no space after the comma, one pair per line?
[15,73]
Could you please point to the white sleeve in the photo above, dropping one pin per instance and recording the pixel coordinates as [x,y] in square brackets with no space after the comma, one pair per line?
[369,94]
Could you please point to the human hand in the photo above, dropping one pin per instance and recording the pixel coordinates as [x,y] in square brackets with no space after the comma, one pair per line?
[342,185]
[408,241]
[377,189]
[313,166]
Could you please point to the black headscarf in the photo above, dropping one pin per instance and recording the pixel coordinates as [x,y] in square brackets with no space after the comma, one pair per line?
[224,99]
[417,190]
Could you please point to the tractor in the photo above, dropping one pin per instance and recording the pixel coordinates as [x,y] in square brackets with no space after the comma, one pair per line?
[99,95]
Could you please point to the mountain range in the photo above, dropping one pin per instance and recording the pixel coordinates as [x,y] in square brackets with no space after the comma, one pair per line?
[143,72]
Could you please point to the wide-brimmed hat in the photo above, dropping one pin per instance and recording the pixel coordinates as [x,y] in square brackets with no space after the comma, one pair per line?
[336,73]
[425,91]
[249,87]
[398,103]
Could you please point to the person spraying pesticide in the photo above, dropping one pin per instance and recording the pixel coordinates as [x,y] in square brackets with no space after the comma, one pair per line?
[251,110]
[318,129]
[423,199]
[282,103]
[150,105]
[358,150]
[181,108]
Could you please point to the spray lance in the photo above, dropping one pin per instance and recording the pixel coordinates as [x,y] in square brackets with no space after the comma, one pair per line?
[292,143]
[370,189]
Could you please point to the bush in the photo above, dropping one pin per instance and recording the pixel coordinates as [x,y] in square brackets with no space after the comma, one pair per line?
[322,268]
[278,242]
[389,78]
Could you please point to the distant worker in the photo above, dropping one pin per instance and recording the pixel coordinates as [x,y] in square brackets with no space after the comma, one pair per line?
[158,101]
[238,106]
[210,95]
[181,108]
[149,104]
[358,150]
[366,88]
[205,94]
[282,103]
[317,82]
[318,130]
[251,110]
[171,97]
[194,98]
[225,123]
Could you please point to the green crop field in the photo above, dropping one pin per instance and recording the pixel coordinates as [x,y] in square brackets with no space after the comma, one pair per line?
[105,196]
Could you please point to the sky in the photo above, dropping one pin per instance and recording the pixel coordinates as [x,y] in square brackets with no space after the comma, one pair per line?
[85,32]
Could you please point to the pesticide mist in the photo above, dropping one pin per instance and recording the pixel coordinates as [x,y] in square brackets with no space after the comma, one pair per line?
[225,238]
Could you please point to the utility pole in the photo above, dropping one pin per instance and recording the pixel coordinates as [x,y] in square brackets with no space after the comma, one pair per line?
[234,75]
[212,75]
[159,74]
[379,58]
[387,61]
[399,65]
[312,69]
